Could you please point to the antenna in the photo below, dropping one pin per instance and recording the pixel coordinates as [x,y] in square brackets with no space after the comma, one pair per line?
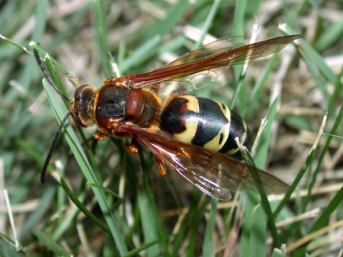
[52,147]
[48,77]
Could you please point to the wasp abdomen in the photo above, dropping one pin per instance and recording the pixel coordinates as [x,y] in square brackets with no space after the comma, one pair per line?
[204,122]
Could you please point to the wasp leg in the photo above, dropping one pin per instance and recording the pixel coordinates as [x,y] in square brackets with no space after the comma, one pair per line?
[117,126]
[131,147]
[100,136]
[161,166]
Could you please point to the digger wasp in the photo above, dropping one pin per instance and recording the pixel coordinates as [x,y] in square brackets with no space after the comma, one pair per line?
[194,136]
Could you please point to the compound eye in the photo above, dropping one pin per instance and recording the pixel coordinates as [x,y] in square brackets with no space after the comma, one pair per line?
[78,120]
[80,93]
[83,97]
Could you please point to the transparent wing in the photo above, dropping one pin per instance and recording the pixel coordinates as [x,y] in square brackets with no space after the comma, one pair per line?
[215,174]
[207,61]
[213,48]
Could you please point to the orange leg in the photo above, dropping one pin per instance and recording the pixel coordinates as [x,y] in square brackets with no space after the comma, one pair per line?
[131,147]
[100,136]
[161,166]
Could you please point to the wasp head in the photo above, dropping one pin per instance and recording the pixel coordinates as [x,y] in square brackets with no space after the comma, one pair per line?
[83,105]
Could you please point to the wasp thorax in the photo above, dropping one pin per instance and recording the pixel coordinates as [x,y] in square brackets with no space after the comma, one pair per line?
[111,102]
[83,105]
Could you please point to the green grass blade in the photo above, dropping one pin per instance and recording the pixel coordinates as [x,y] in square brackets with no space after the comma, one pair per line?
[208,249]
[238,30]
[141,248]
[302,171]
[55,77]
[56,248]
[256,94]
[29,150]
[250,200]
[261,153]
[141,54]
[264,201]
[37,215]
[325,216]
[163,27]
[260,159]
[258,233]
[325,149]
[42,51]
[81,207]
[195,221]
[102,32]
[320,82]
[40,19]
[148,224]
[239,18]
[207,23]
[8,40]
[26,78]
[86,169]
[67,220]
[321,158]
[316,59]
[180,234]
[8,248]
[105,190]
[7,9]
[330,35]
